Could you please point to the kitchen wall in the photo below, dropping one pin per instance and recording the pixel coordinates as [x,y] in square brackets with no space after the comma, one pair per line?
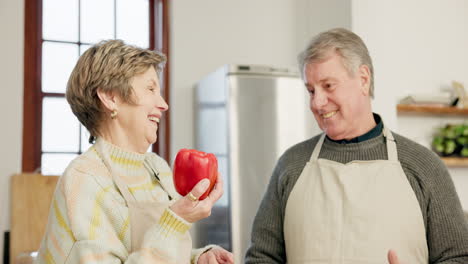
[206,34]
[209,33]
[11,102]
[418,47]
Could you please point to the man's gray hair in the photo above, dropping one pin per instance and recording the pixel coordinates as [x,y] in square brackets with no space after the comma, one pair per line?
[346,44]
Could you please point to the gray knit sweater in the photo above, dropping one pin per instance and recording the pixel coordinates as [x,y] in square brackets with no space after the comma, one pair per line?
[446,228]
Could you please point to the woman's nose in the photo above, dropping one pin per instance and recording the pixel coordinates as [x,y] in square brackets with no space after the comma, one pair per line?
[162,105]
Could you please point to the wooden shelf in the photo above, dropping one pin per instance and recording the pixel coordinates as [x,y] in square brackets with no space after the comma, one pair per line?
[427,109]
[437,110]
[455,162]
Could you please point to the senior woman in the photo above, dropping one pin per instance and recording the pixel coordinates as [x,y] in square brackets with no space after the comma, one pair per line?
[116,203]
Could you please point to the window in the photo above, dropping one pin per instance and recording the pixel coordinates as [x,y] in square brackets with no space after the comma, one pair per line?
[57,32]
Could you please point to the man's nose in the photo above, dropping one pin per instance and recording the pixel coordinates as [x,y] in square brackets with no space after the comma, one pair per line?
[319,99]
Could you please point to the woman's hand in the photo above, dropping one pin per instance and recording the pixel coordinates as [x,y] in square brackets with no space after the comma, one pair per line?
[193,210]
[216,255]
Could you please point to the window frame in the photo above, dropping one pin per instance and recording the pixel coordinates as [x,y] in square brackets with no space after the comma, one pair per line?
[33,95]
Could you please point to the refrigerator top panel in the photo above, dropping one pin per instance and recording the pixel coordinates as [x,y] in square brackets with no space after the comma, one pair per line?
[239,69]
[213,88]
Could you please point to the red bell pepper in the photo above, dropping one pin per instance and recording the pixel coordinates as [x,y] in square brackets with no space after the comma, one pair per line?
[192,166]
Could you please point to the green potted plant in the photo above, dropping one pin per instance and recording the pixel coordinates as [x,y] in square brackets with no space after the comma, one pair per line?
[451,140]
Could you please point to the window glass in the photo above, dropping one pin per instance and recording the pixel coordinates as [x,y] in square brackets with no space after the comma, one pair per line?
[69,28]
[97,20]
[133,22]
[60,128]
[58,61]
[83,48]
[55,164]
[60,20]
[84,139]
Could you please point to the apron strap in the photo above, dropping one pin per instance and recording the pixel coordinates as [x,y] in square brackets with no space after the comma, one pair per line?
[317,148]
[155,173]
[391,145]
[123,188]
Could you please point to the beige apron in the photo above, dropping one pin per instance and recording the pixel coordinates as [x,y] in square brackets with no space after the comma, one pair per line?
[354,212]
[143,215]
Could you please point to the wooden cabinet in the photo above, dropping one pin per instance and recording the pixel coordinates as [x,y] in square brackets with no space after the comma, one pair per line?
[31,196]
[437,111]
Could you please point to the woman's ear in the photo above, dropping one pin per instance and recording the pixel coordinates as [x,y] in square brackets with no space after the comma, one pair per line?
[364,77]
[108,99]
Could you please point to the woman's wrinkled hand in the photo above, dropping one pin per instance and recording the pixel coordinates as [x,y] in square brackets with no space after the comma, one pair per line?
[190,208]
[216,255]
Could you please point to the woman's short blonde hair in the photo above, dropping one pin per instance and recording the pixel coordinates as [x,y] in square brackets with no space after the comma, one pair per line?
[109,66]
[346,44]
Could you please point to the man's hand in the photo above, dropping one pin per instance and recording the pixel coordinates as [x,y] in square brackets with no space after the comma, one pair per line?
[216,255]
[392,257]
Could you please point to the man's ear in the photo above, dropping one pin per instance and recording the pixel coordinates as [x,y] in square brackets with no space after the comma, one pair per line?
[365,79]
[108,99]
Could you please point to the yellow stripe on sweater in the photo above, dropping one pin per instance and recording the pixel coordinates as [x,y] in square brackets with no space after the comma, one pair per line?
[96,219]
[48,257]
[127,162]
[61,221]
[147,186]
[124,229]
[165,174]
[171,224]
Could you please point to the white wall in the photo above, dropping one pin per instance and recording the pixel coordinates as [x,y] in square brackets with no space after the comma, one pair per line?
[315,16]
[418,46]
[207,34]
[11,101]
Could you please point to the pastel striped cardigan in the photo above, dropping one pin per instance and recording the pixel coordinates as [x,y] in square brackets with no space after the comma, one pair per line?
[89,221]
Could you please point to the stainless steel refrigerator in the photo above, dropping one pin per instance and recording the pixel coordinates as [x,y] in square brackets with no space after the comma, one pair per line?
[247,115]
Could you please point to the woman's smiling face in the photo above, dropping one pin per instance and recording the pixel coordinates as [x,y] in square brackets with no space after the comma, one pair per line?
[140,120]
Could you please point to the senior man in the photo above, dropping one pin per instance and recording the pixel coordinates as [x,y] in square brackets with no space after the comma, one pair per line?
[357,193]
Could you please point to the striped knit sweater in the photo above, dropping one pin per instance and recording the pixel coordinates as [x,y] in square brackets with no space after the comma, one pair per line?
[89,220]
[446,229]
